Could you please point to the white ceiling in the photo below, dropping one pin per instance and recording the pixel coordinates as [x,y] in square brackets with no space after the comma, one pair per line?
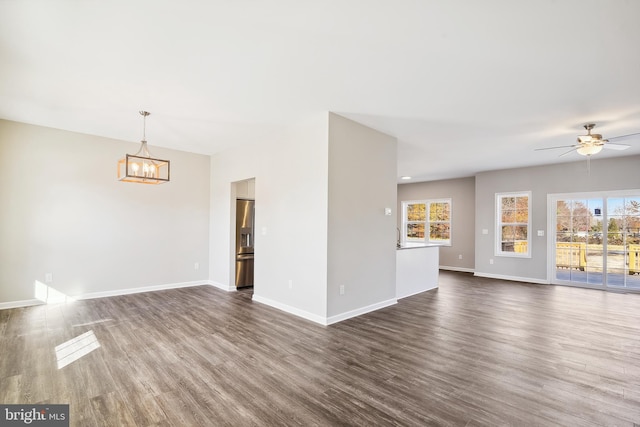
[465,85]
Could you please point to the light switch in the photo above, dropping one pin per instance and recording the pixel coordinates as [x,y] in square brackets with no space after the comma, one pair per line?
[540,233]
[387,211]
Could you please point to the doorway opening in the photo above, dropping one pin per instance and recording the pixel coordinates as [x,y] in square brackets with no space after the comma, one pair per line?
[244,226]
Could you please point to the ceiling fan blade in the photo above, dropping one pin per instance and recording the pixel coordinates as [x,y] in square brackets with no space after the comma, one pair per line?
[613,146]
[623,136]
[553,148]
[570,151]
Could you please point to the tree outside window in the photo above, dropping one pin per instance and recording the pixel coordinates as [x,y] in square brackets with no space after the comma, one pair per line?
[579,220]
[434,227]
[513,224]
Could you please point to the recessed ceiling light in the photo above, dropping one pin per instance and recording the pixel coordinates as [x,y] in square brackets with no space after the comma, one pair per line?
[405,177]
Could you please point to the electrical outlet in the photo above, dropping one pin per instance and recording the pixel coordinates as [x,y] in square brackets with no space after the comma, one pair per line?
[290,284]
[196,266]
[48,278]
[490,260]
[460,256]
[341,289]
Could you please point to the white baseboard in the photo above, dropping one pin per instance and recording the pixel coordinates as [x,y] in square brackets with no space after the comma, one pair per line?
[291,310]
[117,292]
[417,292]
[462,269]
[512,278]
[221,286]
[18,304]
[325,321]
[360,311]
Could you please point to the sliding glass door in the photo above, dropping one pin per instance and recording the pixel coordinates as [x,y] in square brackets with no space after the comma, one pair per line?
[623,242]
[596,241]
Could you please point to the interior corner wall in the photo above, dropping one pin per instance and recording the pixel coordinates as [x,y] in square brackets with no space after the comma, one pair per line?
[65,213]
[290,171]
[361,238]
[620,173]
[461,191]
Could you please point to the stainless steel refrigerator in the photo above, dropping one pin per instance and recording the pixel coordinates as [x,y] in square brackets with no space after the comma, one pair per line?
[245,210]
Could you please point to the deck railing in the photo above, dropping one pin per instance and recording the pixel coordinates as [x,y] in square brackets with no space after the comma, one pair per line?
[574,254]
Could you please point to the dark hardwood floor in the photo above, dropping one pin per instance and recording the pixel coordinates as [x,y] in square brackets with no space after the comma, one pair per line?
[475,352]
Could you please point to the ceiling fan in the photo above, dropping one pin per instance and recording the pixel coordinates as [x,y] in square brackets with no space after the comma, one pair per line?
[592,143]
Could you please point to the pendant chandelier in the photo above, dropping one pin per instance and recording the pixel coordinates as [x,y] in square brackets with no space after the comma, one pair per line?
[141,167]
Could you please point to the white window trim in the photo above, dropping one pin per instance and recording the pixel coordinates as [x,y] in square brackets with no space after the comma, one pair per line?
[498,225]
[403,232]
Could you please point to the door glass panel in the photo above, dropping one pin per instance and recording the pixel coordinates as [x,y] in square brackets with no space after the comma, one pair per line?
[594,259]
[633,262]
[623,266]
[591,224]
[632,211]
[616,250]
[579,253]
[563,239]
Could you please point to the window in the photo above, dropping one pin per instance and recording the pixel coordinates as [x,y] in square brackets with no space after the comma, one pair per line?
[513,218]
[427,221]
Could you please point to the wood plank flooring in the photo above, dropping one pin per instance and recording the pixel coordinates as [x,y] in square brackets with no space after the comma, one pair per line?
[475,352]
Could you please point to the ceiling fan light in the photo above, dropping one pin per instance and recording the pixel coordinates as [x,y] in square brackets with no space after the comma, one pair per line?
[584,139]
[589,150]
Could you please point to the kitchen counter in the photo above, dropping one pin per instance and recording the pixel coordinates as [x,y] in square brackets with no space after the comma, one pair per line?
[417,245]
[416,269]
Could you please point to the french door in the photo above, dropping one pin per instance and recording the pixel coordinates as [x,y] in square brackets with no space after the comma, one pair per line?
[596,239]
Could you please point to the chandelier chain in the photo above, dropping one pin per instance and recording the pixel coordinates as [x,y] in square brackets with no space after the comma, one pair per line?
[144,124]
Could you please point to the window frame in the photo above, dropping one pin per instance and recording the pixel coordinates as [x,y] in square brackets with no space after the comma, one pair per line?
[427,222]
[499,223]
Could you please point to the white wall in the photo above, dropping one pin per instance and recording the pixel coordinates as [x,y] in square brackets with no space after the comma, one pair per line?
[290,172]
[320,190]
[361,238]
[461,191]
[65,213]
[606,174]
